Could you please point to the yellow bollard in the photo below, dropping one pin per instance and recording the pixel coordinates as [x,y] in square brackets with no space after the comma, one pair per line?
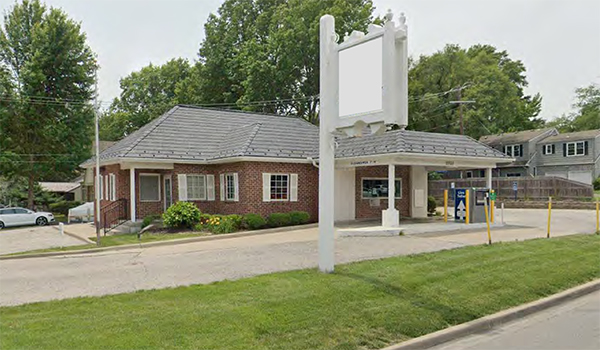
[492,203]
[445,205]
[467,206]
[487,221]
[549,215]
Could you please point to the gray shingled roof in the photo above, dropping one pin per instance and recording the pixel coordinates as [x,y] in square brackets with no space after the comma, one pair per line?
[512,137]
[406,141]
[188,133]
[191,133]
[573,136]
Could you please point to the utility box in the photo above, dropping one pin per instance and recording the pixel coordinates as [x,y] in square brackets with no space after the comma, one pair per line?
[477,199]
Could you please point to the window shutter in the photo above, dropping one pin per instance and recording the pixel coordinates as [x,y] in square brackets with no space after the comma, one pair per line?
[182,184]
[293,187]
[106,187]
[236,194]
[113,188]
[210,187]
[100,192]
[585,148]
[266,187]
[521,151]
[553,149]
[564,149]
[222,185]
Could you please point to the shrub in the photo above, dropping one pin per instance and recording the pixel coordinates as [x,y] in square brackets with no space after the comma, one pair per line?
[149,219]
[63,207]
[221,224]
[597,184]
[253,221]
[431,205]
[182,215]
[299,217]
[279,219]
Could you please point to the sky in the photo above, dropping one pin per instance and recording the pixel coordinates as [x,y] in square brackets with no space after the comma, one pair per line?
[557,40]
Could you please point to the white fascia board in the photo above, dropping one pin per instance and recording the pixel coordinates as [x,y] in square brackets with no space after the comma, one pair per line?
[146,163]
[441,160]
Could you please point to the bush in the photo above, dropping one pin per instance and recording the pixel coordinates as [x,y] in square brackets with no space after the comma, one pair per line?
[597,184]
[222,224]
[182,215]
[299,217]
[431,205]
[149,219]
[253,221]
[279,220]
[63,207]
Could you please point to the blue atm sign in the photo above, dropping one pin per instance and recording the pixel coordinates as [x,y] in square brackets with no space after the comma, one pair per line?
[460,209]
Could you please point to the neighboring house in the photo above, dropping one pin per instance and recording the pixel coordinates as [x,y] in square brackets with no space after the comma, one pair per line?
[70,191]
[236,162]
[574,156]
[520,145]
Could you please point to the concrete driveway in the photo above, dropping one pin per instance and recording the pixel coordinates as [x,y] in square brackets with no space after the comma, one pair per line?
[112,272]
[33,237]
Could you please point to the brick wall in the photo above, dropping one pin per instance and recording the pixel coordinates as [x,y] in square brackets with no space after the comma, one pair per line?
[250,188]
[365,208]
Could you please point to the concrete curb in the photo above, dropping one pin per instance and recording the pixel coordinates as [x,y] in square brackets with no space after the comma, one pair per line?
[489,322]
[160,243]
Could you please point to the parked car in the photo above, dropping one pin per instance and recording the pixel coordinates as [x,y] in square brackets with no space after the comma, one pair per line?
[22,217]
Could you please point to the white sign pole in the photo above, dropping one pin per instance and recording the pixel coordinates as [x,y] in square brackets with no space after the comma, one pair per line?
[328,112]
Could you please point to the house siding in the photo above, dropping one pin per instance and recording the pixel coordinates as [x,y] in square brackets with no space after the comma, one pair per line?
[365,208]
[557,162]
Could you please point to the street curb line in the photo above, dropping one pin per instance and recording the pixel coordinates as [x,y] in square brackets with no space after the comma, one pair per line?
[160,243]
[489,322]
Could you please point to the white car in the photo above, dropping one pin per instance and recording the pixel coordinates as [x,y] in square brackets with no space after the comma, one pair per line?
[22,217]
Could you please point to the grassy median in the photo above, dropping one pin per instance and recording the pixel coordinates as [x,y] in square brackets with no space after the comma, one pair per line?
[365,305]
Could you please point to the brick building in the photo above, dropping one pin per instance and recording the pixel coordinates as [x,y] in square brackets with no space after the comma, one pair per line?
[230,162]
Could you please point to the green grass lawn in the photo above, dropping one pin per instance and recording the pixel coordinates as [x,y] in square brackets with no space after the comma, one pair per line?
[365,305]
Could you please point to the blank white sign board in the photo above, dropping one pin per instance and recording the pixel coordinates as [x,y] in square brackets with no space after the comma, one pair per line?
[360,78]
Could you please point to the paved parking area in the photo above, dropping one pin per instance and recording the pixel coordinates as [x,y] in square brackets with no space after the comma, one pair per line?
[16,240]
[112,272]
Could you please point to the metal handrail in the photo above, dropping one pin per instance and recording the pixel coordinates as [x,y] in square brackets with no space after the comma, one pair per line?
[114,214]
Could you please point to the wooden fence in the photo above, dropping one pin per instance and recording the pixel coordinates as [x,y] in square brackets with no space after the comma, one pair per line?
[529,188]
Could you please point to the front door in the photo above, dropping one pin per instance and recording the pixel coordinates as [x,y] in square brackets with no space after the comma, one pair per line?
[168,192]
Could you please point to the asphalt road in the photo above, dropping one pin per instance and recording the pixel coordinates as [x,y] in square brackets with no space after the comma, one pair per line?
[572,325]
[112,272]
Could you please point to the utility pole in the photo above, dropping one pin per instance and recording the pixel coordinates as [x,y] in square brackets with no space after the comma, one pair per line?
[460,103]
[97,182]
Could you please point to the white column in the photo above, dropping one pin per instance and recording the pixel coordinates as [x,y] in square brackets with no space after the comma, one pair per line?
[418,191]
[328,112]
[488,178]
[391,217]
[132,192]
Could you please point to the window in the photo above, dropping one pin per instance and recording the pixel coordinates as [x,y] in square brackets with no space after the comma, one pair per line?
[469,174]
[21,211]
[513,174]
[279,187]
[513,150]
[149,187]
[196,187]
[378,188]
[111,193]
[574,149]
[230,187]
[548,149]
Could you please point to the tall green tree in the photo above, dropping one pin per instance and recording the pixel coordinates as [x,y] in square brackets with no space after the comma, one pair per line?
[586,115]
[268,50]
[480,73]
[47,84]
[145,95]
